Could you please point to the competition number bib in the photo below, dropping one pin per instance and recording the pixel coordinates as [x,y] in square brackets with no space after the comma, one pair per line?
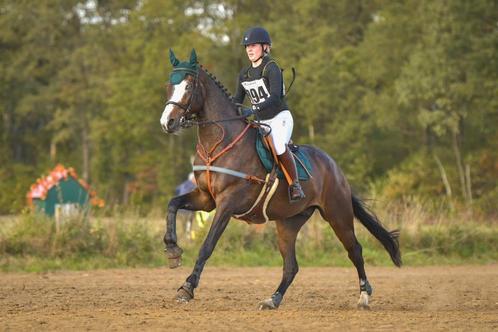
[256,90]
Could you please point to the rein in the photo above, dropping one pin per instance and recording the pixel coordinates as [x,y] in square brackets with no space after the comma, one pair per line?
[190,123]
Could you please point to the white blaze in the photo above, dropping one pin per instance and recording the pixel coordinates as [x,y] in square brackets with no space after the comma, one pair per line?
[178,92]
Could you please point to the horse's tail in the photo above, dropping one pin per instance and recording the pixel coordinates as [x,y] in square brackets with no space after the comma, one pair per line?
[388,239]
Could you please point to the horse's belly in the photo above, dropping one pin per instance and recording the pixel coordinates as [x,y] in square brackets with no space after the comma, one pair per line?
[252,218]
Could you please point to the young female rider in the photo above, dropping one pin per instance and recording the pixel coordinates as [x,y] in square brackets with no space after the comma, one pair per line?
[262,82]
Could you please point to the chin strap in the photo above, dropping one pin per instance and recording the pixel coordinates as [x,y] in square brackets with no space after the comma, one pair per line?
[265,52]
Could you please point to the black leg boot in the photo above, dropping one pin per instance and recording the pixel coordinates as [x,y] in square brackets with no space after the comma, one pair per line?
[295,191]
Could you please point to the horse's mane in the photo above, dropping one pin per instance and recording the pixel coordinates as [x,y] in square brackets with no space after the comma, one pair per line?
[218,84]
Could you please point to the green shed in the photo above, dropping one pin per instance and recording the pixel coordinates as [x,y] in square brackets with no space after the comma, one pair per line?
[62,192]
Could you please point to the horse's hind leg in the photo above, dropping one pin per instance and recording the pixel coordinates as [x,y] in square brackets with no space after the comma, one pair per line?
[287,232]
[341,221]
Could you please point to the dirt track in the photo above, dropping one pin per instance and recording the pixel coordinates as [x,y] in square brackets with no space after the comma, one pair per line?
[447,298]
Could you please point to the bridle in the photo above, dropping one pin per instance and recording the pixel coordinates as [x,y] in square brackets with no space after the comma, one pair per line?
[186,118]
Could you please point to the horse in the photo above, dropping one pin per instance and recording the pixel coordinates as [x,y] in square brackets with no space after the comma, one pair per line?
[226,149]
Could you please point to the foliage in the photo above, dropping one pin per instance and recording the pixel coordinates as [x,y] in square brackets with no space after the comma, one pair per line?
[35,240]
[403,94]
[429,235]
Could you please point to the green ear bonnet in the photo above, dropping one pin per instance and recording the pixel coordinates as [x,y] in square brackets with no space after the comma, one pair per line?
[181,69]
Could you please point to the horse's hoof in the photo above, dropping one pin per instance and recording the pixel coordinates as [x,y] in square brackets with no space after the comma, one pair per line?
[363,301]
[174,256]
[182,297]
[184,294]
[175,262]
[267,304]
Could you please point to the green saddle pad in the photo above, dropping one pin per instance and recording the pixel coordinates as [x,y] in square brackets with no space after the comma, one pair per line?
[267,160]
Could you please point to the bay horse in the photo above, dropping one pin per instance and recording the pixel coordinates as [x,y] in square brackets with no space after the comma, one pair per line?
[226,149]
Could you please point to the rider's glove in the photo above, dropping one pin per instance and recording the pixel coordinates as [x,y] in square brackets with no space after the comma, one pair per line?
[247,112]
[244,110]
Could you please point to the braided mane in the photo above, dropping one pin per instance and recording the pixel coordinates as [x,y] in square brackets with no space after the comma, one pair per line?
[218,84]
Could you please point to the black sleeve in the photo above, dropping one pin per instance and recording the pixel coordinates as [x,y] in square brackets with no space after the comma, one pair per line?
[240,92]
[274,76]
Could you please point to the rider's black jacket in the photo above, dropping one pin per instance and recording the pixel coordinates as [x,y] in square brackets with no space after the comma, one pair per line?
[264,87]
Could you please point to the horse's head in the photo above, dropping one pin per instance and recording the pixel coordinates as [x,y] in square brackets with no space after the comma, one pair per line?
[184,93]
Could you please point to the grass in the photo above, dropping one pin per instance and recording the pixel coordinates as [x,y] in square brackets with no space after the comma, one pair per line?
[34,243]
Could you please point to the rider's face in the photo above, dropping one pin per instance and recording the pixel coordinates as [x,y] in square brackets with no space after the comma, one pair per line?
[254,52]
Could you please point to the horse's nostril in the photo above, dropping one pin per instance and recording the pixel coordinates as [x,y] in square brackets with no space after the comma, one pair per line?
[170,123]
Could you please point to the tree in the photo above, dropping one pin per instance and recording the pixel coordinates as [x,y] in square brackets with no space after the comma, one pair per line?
[438,80]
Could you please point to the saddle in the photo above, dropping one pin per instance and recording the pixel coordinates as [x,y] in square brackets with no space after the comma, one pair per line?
[303,163]
[258,212]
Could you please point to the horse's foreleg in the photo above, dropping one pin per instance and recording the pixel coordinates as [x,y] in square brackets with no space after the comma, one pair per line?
[287,232]
[194,201]
[220,222]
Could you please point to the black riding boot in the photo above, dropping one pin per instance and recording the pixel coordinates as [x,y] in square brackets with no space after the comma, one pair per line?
[295,191]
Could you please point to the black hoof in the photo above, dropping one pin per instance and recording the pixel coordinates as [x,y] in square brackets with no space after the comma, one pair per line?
[173,263]
[174,256]
[185,293]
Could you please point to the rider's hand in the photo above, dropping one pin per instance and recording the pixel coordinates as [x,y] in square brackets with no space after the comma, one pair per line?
[247,112]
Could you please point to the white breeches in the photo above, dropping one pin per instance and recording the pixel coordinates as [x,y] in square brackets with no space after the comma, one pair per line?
[281,130]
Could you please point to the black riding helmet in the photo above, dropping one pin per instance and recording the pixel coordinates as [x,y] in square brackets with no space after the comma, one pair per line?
[256,35]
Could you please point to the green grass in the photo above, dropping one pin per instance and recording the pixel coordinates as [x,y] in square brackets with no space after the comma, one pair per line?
[34,243]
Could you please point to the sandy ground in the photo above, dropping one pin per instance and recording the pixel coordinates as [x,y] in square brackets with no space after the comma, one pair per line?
[423,298]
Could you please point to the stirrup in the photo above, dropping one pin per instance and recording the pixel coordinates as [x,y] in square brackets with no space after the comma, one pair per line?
[293,189]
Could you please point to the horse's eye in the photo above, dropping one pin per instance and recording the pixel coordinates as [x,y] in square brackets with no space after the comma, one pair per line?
[189,86]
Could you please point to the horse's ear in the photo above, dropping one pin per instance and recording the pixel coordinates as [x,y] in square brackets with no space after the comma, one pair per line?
[193,57]
[172,58]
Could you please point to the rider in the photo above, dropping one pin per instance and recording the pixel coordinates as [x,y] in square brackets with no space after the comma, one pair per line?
[262,81]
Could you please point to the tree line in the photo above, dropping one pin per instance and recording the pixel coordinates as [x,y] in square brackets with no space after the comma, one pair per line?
[403,94]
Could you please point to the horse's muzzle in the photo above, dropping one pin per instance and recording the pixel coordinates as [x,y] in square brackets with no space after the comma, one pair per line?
[170,127]
[171,124]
